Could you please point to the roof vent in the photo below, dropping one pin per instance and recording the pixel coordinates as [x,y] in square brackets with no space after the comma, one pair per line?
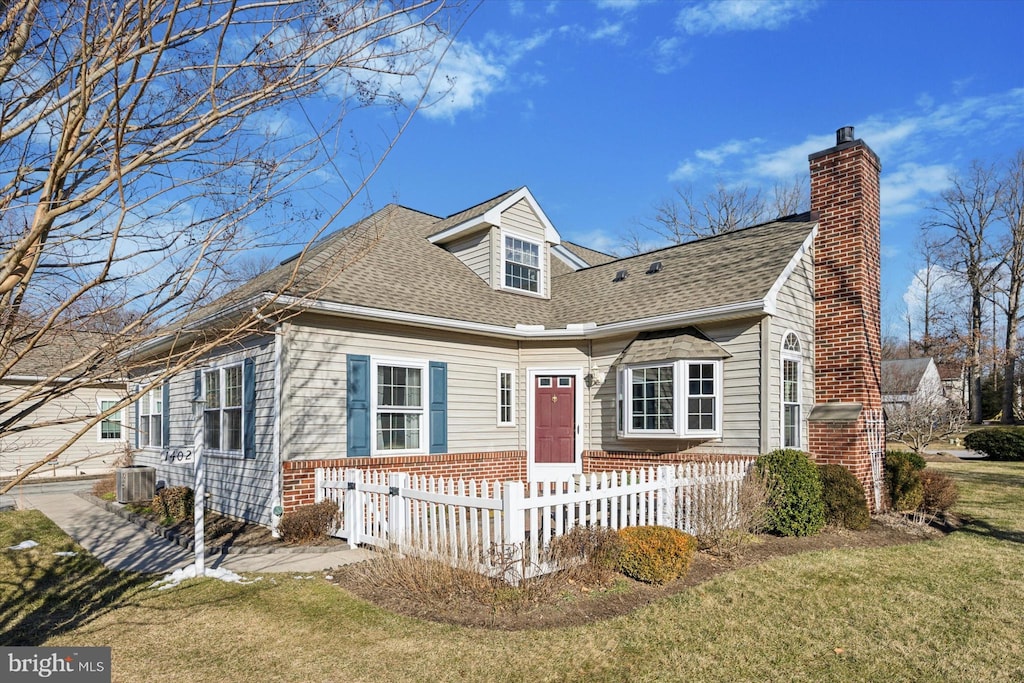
[621,275]
[653,268]
[844,134]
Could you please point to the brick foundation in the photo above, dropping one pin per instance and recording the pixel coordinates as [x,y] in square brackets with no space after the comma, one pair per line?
[605,461]
[298,477]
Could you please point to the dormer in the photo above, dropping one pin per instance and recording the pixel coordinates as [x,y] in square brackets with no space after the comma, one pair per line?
[508,242]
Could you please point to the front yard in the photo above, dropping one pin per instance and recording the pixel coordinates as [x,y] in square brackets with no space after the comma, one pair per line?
[936,610]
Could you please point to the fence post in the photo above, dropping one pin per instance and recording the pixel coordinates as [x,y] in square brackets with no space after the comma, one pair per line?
[667,495]
[353,506]
[512,496]
[398,506]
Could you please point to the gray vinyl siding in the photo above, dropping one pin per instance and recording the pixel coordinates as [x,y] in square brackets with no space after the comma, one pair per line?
[475,251]
[314,379]
[86,455]
[237,487]
[794,313]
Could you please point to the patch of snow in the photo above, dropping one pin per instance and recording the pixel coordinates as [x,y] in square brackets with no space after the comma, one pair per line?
[65,553]
[24,545]
[189,572]
[303,577]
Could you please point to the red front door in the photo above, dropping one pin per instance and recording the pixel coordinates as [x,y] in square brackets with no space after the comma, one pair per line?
[555,430]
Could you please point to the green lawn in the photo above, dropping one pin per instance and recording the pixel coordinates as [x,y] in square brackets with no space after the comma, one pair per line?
[947,610]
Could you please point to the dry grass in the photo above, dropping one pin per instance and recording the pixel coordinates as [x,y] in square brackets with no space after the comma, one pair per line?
[931,611]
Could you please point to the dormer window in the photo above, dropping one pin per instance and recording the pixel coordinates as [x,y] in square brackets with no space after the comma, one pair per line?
[522,264]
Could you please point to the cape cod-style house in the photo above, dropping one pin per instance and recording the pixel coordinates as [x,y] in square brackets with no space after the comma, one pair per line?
[484,345]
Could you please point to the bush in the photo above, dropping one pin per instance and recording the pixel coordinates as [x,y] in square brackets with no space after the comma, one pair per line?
[843,497]
[105,487]
[903,480]
[723,523]
[655,554]
[308,523]
[588,554]
[939,491]
[795,506]
[997,443]
[174,503]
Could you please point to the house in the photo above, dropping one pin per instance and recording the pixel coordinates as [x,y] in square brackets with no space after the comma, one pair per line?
[66,404]
[483,345]
[907,379]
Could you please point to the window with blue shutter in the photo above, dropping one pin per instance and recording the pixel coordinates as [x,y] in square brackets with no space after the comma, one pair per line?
[357,411]
[249,408]
[438,407]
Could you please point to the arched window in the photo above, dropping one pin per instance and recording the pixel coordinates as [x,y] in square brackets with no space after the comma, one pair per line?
[792,371]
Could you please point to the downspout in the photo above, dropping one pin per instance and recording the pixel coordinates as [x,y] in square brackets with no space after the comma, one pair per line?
[276,496]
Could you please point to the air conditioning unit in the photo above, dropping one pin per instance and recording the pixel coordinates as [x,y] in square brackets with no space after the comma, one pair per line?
[135,484]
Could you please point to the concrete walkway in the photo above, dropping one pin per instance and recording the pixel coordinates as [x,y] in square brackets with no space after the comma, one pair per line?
[120,544]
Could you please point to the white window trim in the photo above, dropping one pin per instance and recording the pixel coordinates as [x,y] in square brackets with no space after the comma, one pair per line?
[784,355]
[424,410]
[222,452]
[541,280]
[146,404]
[99,425]
[511,422]
[680,394]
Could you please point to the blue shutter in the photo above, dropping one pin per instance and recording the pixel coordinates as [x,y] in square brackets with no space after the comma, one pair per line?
[249,408]
[138,401]
[357,402]
[438,407]
[165,438]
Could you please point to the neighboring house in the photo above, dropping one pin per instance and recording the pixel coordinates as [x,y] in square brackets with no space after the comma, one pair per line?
[954,381]
[907,379]
[483,345]
[60,415]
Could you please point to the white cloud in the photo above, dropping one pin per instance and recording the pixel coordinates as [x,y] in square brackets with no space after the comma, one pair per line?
[668,54]
[686,170]
[619,5]
[614,32]
[904,189]
[719,16]
[944,286]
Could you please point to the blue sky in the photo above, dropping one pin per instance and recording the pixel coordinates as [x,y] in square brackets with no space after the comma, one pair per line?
[601,108]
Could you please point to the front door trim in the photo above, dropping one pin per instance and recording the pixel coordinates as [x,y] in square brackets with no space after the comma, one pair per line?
[553,472]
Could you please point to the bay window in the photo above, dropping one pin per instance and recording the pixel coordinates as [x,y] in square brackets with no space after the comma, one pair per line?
[677,399]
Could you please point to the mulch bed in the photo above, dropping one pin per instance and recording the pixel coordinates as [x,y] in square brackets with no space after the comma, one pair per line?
[569,603]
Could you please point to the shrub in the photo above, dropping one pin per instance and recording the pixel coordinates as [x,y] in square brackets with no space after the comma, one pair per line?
[795,506]
[105,487]
[939,491]
[588,554]
[843,496]
[997,443]
[903,480]
[723,523]
[308,523]
[174,503]
[655,554]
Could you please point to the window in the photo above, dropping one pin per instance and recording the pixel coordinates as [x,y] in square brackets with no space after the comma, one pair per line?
[151,415]
[222,412]
[791,376]
[399,406]
[672,399]
[522,264]
[506,397]
[110,426]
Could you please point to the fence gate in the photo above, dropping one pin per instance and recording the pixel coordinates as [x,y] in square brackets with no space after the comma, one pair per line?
[874,423]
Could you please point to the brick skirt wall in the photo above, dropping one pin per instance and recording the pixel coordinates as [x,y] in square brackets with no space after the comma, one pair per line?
[607,461]
[844,443]
[298,477]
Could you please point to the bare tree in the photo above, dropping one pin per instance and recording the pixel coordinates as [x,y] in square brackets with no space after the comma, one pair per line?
[1011,211]
[963,222]
[143,144]
[917,409]
[682,218]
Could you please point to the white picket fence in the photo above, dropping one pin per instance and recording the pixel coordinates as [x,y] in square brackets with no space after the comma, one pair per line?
[505,528]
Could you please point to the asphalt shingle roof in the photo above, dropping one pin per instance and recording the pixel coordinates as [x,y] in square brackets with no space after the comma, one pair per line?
[386,261]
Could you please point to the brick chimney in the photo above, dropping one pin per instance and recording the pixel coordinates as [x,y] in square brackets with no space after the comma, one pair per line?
[845,425]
